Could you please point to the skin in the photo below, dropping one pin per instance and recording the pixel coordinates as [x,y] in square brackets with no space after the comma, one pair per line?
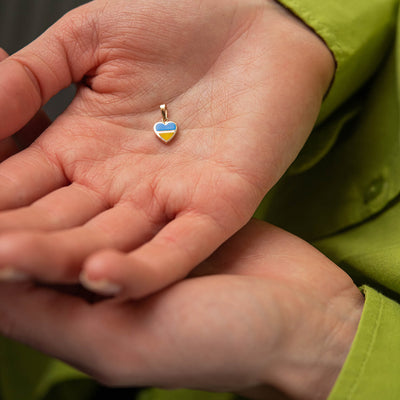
[25,136]
[268,316]
[244,82]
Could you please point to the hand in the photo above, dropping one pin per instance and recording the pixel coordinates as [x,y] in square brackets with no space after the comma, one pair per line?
[266,311]
[243,80]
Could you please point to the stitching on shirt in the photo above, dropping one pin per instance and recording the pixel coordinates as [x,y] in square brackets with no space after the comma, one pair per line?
[369,350]
[364,255]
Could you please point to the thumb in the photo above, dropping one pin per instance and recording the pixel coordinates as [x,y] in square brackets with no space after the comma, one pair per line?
[27,134]
[3,54]
[30,77]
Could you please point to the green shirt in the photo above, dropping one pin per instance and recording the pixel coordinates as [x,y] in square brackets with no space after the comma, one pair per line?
[342,193]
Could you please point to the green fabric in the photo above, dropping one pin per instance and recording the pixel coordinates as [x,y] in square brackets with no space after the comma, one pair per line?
[370,253]
[344,188]
[358,32]
[325,192]
[371,369]
[158,394]
[351,183]
[29,375]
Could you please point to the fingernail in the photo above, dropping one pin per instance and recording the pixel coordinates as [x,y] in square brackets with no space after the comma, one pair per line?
[100,286]
[11,274]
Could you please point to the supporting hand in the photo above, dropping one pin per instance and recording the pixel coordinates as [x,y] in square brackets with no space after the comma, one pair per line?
[266,310]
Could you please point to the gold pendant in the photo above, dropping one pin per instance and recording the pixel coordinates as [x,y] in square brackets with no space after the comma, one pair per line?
[166,129]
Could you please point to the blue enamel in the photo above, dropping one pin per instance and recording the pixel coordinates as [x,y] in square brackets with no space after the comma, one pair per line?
[169,126]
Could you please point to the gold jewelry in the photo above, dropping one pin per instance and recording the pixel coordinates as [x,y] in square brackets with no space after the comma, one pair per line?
[166,129]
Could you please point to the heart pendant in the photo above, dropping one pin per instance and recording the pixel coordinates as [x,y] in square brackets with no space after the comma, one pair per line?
[165,130]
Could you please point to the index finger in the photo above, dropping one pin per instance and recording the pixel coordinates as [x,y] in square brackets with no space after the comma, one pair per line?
[168,257]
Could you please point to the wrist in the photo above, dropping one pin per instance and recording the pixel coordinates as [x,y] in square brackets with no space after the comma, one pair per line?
[307,46]
[308,361]
[311,372]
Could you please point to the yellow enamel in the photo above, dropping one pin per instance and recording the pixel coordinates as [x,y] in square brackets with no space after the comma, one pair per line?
[167,135]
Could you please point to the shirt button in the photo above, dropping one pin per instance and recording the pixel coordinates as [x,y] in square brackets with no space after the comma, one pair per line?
[374,190]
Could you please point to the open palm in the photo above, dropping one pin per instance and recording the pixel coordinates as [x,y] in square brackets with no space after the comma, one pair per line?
[242,80]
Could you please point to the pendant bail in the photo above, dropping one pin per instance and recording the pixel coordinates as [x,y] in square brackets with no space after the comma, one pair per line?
[164,113]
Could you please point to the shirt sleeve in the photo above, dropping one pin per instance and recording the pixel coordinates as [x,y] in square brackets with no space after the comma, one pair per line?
[358,33]
[361,35]
[371,369]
